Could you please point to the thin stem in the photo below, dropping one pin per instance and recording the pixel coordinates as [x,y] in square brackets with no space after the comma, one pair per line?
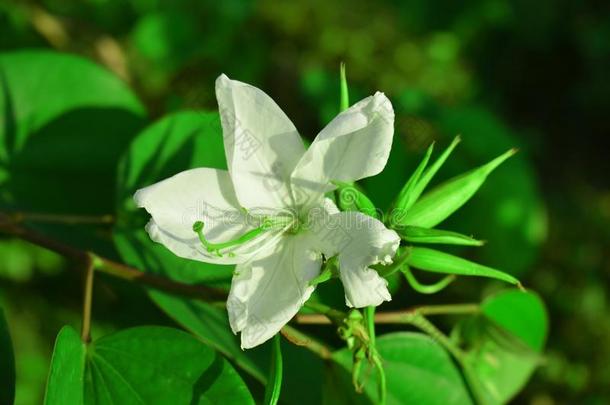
[331,314]
[8,226]
[392,317]
[397,317]
[87,299]
[20,217]
[298,338]
[369,318]
[426,288]
[382,379]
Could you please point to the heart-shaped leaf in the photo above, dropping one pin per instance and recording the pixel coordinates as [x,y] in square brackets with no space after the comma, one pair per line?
[143,365]
[417,369]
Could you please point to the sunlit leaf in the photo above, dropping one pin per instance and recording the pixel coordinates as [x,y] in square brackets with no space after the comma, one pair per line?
[65,384]
[143,365]
[440,262]
[504,343]
[417,369]
[416,234]
[63,125]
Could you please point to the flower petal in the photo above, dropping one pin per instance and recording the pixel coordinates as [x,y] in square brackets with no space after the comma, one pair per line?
[359,241]
[199,195]
[354,145]
[261,143]
[268,291]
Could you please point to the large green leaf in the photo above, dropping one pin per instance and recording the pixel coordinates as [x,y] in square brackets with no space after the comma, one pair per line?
[504,342]
[66,380]
[7,364]
[211,324]
[64,122]
[143,365]
[417,369]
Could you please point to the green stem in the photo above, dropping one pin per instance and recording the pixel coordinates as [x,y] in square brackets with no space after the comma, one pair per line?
[430,288]
[369,318]
[274,384]
[62,218]
[382,380]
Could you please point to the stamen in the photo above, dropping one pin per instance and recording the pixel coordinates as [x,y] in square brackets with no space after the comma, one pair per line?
[266,225]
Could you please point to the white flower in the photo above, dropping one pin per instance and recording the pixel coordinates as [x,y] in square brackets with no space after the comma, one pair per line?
[268,213]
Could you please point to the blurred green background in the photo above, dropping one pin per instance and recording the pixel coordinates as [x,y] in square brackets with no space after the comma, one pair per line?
[500,73]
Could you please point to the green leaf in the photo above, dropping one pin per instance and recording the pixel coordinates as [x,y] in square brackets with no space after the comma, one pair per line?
[64,122]
[211,325]
[418,234]
[440,262]
[448,197]
[65,384]
[142,365]
[274,385]
[504,343]
[7,364]
[417,369]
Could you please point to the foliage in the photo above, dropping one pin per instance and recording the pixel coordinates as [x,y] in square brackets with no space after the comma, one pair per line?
[126,99]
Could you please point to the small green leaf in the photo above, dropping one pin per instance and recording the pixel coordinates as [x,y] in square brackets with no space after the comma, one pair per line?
[7,364]
[65,384]
[418,234]
[503,343]
[142,365]
[274,385]
[418,371]
[448,197]
[440,262]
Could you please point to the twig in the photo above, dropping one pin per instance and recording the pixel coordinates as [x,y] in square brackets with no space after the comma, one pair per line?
[395,317]
[300,339]
[104,265]
[20,217]
[87,299]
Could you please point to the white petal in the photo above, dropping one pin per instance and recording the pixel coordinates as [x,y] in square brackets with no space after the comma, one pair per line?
[268,291]
[261,143]
[354,145]
[359,241]
[199,195]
